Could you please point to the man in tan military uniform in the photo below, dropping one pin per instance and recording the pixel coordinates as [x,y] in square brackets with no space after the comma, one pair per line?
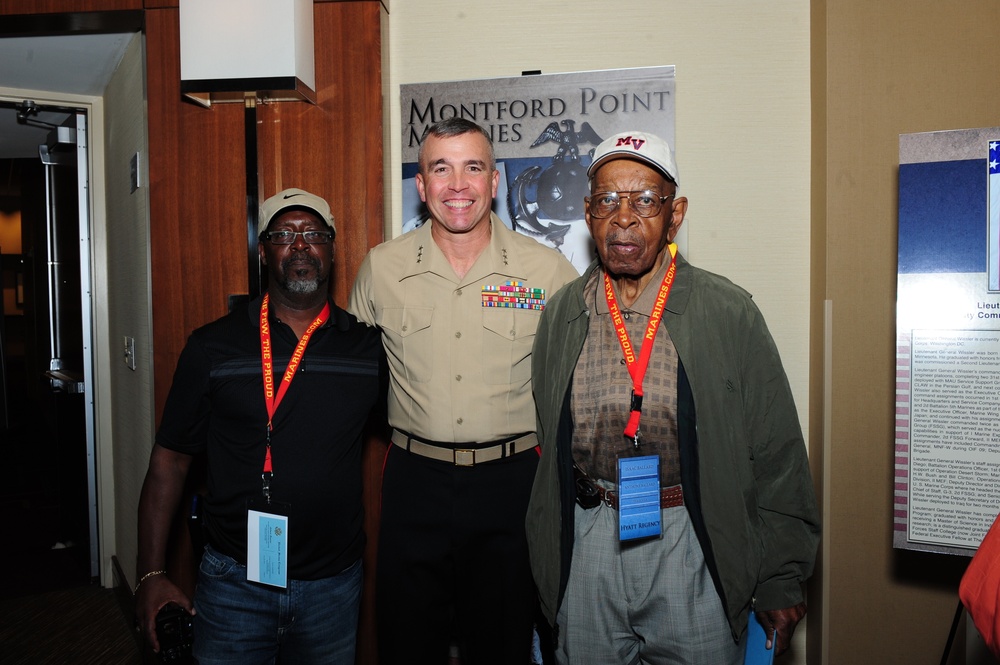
[457,301]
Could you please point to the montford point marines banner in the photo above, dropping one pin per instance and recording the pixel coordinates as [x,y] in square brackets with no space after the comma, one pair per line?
[544,128]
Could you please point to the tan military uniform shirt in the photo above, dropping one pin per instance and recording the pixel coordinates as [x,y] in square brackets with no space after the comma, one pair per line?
[460,370]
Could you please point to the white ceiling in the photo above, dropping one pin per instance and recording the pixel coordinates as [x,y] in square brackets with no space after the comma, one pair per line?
[76,64]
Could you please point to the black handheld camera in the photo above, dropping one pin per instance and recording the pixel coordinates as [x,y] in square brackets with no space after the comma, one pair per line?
[175,632]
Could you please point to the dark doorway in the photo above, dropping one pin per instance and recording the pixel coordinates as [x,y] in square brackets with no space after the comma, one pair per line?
[45,431]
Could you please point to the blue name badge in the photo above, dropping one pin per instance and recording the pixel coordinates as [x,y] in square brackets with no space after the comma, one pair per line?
[267,548]
[639,497]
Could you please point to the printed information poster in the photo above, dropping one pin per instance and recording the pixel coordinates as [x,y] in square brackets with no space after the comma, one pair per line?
[947,412]
[544,128]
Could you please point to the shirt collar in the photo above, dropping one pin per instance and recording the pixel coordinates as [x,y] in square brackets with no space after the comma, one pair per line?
[499,257]
[647,299]
[338,317]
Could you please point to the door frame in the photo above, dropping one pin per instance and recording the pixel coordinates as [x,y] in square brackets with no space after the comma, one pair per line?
[101,351]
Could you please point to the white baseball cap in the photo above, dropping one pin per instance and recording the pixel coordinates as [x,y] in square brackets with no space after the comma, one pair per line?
[293,198]
[641,146]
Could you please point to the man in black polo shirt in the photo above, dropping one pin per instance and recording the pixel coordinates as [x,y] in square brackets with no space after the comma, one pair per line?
[277,395]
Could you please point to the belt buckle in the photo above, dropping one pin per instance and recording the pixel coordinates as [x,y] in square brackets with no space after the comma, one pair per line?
[465,457]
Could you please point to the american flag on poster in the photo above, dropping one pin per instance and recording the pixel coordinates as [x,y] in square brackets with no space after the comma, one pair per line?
[993,240]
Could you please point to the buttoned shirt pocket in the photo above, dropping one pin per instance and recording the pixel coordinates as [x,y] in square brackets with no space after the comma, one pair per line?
[407,336]
[509,334]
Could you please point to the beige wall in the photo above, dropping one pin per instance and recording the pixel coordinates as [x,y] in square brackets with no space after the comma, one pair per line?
[128,305]
[881,69]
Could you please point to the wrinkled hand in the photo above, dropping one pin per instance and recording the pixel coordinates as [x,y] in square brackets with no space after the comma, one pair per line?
[783,621]
[152,595]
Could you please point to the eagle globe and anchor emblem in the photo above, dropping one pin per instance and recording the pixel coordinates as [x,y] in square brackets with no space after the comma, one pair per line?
[544,202]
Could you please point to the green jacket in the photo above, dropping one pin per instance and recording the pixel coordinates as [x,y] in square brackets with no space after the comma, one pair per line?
[744,468]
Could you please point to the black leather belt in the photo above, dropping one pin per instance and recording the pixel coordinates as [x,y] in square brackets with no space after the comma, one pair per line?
[464,454]
[670,497]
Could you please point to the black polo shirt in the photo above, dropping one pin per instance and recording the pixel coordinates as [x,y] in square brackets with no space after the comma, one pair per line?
[216,405]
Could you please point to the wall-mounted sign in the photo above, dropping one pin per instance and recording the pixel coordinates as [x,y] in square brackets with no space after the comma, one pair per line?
[947,410]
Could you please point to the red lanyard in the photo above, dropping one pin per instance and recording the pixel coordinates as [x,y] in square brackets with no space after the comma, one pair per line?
[271,399]
[637,369]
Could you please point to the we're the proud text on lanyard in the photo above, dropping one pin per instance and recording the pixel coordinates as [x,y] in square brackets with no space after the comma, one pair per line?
[271,398]
[637,366]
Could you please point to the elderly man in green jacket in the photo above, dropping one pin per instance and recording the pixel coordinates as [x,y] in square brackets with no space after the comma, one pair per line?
[646,362]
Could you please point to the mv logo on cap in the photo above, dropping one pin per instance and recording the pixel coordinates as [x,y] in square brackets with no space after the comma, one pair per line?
[635,145]
[626,140]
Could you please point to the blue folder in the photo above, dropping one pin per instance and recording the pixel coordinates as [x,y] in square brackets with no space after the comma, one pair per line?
[757,652]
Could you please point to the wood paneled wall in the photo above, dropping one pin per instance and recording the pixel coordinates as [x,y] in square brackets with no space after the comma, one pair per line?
[197,202]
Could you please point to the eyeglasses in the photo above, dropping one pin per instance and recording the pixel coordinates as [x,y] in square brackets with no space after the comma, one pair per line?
[288,237]
[646,203]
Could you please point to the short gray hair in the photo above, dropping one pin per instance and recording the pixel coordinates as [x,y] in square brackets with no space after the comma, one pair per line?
[454,127]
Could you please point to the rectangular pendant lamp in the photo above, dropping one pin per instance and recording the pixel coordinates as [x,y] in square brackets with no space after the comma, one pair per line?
[230,48]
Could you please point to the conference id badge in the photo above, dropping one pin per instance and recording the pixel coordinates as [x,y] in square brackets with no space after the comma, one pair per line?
[267,546]
[639,497]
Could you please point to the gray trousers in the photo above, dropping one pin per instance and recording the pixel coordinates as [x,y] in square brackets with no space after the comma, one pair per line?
[650,601]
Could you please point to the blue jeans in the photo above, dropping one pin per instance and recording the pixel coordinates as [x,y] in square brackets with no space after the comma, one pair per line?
[245,623]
